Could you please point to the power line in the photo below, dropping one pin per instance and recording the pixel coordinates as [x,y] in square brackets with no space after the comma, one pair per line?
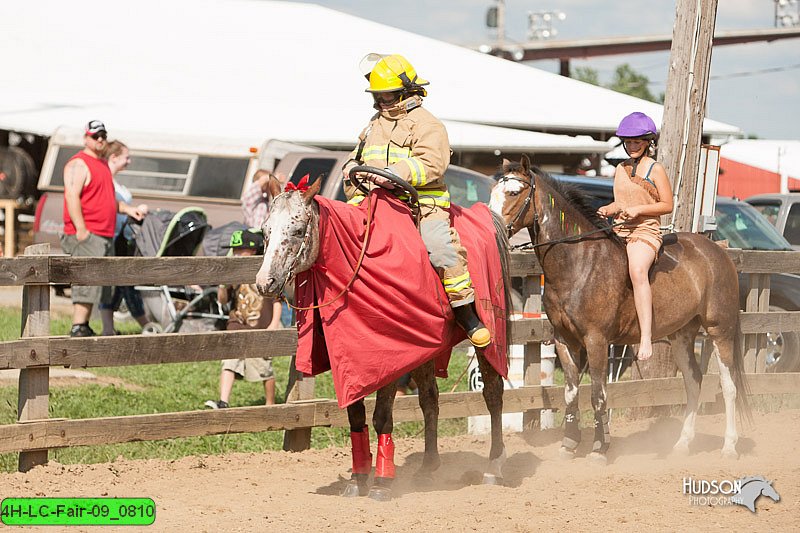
[754,72]
[738,74]
[641,83]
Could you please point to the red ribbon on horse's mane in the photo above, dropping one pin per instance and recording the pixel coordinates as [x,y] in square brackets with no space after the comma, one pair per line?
[301,186]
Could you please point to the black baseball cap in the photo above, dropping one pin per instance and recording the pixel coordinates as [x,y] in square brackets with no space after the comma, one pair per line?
[95,128]
[247,238]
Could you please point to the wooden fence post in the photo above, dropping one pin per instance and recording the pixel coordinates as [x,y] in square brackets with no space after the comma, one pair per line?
[10,207]
[532,298]
[34,383]
[754,343]
[299,388]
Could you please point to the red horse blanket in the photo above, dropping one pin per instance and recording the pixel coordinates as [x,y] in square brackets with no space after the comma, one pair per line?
[396,314]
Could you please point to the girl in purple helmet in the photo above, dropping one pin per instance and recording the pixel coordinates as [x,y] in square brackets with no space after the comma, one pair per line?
[642,193]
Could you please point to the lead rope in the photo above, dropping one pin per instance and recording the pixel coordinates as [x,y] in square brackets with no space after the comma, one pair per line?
[355,270]
[579,236]
[574,238]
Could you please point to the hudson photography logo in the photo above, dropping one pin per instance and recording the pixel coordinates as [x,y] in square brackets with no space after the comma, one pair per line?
[728,492]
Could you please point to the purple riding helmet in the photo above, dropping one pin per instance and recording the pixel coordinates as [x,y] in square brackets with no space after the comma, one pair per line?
[637,124]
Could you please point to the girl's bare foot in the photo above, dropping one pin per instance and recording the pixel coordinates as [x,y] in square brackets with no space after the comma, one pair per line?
[645,350]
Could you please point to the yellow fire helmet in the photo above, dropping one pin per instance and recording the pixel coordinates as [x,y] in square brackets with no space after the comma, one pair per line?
[395,73]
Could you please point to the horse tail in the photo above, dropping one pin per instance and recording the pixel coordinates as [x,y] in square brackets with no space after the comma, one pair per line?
[739,376]
[504,248]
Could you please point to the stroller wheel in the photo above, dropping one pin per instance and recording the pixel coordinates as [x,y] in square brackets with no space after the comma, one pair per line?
[152,328]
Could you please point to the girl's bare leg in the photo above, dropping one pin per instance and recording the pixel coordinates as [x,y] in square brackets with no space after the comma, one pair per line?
[640,258]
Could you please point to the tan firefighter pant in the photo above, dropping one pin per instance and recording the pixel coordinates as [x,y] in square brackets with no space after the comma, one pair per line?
[447,254]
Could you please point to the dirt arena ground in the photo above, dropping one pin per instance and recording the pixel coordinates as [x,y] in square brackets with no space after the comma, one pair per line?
[640,489]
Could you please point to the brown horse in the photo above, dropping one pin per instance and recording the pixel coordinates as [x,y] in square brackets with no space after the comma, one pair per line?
[589,299]
[294,245]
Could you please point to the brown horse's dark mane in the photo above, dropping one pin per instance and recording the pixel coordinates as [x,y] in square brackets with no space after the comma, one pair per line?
[579,201]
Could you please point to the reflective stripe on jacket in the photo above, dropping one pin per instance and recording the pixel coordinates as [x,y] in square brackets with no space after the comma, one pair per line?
[413,145]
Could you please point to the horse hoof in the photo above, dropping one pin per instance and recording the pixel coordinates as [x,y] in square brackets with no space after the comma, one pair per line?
[491,479]
[681,449]
[430,465]
[565,454]
[729,453]
[423,479]
[598,458]
[380,494]
[352,490]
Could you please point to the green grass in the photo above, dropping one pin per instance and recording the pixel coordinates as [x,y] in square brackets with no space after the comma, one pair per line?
[177,387]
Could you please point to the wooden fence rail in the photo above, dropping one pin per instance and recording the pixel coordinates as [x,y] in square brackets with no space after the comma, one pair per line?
[36,351]
[97,352]
[62,269]
[61,433]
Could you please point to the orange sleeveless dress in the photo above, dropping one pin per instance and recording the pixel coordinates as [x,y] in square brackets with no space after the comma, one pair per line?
[634,190]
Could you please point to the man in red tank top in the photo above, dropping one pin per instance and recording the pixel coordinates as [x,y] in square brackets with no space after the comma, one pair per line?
[90,211]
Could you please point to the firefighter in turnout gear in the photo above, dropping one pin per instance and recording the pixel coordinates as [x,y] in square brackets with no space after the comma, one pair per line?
[408,141]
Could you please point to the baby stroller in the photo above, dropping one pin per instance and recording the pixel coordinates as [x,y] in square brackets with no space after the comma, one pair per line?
[166,234]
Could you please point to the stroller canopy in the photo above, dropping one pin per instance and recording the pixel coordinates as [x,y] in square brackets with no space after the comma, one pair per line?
[167,234]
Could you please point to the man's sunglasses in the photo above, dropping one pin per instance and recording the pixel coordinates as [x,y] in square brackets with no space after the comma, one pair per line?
[100,135]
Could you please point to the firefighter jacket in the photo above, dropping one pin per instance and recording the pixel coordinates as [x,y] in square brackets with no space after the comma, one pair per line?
[410,142]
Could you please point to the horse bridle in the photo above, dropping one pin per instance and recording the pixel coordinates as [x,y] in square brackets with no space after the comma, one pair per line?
[525,206]
[363,253]
[297,256]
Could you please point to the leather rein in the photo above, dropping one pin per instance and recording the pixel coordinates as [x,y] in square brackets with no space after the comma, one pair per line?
[355,270]
[527,205]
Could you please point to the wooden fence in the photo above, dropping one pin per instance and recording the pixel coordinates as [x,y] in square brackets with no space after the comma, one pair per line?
[35,352]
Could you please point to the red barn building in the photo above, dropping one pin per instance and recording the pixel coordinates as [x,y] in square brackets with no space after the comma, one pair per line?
[749,167]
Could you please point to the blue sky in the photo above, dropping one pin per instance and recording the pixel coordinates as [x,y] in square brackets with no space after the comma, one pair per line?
[761,103]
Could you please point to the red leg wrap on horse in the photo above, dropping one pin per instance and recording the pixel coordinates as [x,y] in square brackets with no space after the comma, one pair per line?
[362,458]
[384,464]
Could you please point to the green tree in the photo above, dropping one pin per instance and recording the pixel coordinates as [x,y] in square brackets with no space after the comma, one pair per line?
[586,74]
[628,81]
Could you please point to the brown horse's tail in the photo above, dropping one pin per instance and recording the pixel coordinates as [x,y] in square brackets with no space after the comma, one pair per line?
[505,261]
[739,376]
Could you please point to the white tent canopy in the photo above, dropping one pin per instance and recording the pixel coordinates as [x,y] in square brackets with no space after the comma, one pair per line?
[478,137]
[257,70]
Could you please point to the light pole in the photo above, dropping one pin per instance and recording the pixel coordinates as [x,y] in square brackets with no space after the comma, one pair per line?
[496,18]
[540,27]
[787,13]
[540,24]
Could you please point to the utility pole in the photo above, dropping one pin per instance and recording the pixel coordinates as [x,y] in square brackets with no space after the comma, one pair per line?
[681,133]
[496,18]
[501,22]
[685,102]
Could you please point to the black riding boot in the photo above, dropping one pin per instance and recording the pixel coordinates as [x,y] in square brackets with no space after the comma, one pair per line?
[477,333]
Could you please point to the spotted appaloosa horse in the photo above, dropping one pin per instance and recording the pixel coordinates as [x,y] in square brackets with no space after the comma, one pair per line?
[294,244]
[589,299]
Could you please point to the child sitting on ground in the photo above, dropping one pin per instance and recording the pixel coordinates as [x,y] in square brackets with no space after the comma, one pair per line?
[249,310]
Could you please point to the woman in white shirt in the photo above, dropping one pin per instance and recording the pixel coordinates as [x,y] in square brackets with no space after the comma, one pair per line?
[118,158]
